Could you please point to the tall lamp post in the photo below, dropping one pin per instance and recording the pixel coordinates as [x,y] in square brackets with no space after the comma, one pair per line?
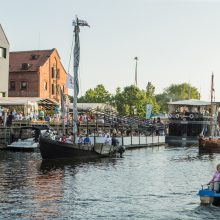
[136,59]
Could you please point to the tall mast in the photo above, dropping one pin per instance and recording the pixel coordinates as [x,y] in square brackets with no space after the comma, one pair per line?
[76,53]
[211,113]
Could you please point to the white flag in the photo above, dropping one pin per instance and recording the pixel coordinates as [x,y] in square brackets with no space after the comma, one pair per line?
[70,82]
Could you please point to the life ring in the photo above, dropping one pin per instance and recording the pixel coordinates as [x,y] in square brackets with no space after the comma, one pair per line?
[177,116]
[191,116]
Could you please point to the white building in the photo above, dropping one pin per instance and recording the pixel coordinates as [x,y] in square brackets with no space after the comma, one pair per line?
[4,63]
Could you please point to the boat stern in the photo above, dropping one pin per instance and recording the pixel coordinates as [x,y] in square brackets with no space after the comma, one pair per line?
[206,196]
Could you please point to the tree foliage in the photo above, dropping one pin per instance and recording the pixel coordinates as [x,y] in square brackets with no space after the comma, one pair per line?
[132,101]
[96,95]
[176,92]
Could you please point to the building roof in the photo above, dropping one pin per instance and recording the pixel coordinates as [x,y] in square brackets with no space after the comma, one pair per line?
[34,59]
[8,101]
[190,102]
[2,30]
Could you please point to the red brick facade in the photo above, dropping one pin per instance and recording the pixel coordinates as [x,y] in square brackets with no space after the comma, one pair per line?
[36,74]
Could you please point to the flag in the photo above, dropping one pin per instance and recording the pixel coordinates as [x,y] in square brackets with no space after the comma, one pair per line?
[76,61]
[63,109]
[70,82]
[149,108]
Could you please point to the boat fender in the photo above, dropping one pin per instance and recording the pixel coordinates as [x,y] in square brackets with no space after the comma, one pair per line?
[191,116]
[170,115]
[177,115]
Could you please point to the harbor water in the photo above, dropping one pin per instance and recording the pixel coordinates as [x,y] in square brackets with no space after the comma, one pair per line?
[148,183]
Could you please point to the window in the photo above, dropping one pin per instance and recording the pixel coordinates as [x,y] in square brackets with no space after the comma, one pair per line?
[58,73]
[53,89]
[2,52]
[25,66]
[54,72]
[12,85]
[58,89]
[2,94]
[45,86]
[23,85]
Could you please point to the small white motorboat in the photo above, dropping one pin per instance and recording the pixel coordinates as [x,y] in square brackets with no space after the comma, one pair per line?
[27,144]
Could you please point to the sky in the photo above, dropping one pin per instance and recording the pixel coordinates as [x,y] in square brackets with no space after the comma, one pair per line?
[176,41]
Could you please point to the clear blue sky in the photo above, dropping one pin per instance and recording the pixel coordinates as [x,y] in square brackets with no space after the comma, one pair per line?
[175,41]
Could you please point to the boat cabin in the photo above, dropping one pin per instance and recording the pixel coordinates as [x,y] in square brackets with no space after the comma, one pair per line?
[187,119]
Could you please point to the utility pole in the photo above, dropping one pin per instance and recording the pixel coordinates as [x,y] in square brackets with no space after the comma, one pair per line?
[136,58]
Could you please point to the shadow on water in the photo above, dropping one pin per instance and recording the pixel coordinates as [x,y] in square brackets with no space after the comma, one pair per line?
[49,165]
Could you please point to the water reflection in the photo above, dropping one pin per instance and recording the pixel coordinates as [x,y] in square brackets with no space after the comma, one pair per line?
[151,183]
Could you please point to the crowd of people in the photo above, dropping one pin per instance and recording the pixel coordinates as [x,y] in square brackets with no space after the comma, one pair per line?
[148,126]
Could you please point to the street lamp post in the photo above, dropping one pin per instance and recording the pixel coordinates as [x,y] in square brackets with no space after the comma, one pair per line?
[136,58]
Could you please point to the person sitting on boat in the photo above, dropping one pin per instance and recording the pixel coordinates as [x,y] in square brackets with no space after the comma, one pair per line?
[63,138]
[214,183]
[70,138]
[80,140]
[108,140]
[87,140]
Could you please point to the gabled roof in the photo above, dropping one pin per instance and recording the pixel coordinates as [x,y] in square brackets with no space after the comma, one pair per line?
[17,58]
[191,102]
[1,28]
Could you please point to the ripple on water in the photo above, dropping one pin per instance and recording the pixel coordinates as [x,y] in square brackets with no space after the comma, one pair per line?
[153,183]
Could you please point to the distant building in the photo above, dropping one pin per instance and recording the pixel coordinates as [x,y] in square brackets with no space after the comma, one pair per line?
[4,63]
[38,73]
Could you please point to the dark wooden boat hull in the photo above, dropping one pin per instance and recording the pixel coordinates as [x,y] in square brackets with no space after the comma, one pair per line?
[209,145]
[52,149]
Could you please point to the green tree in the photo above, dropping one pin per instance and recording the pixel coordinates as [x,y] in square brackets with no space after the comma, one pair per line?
[176,92]
[96,95]
[132,101]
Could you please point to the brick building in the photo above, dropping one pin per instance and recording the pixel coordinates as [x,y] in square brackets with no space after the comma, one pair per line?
[37,73]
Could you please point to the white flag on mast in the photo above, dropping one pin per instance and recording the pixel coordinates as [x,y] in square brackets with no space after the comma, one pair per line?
[70,82]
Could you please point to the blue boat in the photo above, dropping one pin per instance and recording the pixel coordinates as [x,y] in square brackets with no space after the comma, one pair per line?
[209,197]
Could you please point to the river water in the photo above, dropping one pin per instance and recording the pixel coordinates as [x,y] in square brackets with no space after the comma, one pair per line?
[148,183]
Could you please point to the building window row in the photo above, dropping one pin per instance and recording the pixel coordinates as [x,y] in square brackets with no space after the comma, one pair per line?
[23,85]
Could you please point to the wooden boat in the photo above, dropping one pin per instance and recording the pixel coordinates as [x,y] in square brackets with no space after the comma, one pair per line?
[210,144]
[50,146]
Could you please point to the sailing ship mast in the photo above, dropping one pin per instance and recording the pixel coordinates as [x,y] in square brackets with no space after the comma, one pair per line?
[211,112]
[76,53]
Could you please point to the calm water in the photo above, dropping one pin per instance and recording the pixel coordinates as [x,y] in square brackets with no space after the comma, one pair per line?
[158,183]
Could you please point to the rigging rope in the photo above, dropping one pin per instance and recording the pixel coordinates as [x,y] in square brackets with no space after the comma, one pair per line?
[70,54]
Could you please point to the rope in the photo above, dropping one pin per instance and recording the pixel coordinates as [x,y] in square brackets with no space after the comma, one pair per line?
[70,54]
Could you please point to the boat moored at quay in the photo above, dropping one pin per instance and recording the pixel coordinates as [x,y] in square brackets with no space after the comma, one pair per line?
[187,120]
